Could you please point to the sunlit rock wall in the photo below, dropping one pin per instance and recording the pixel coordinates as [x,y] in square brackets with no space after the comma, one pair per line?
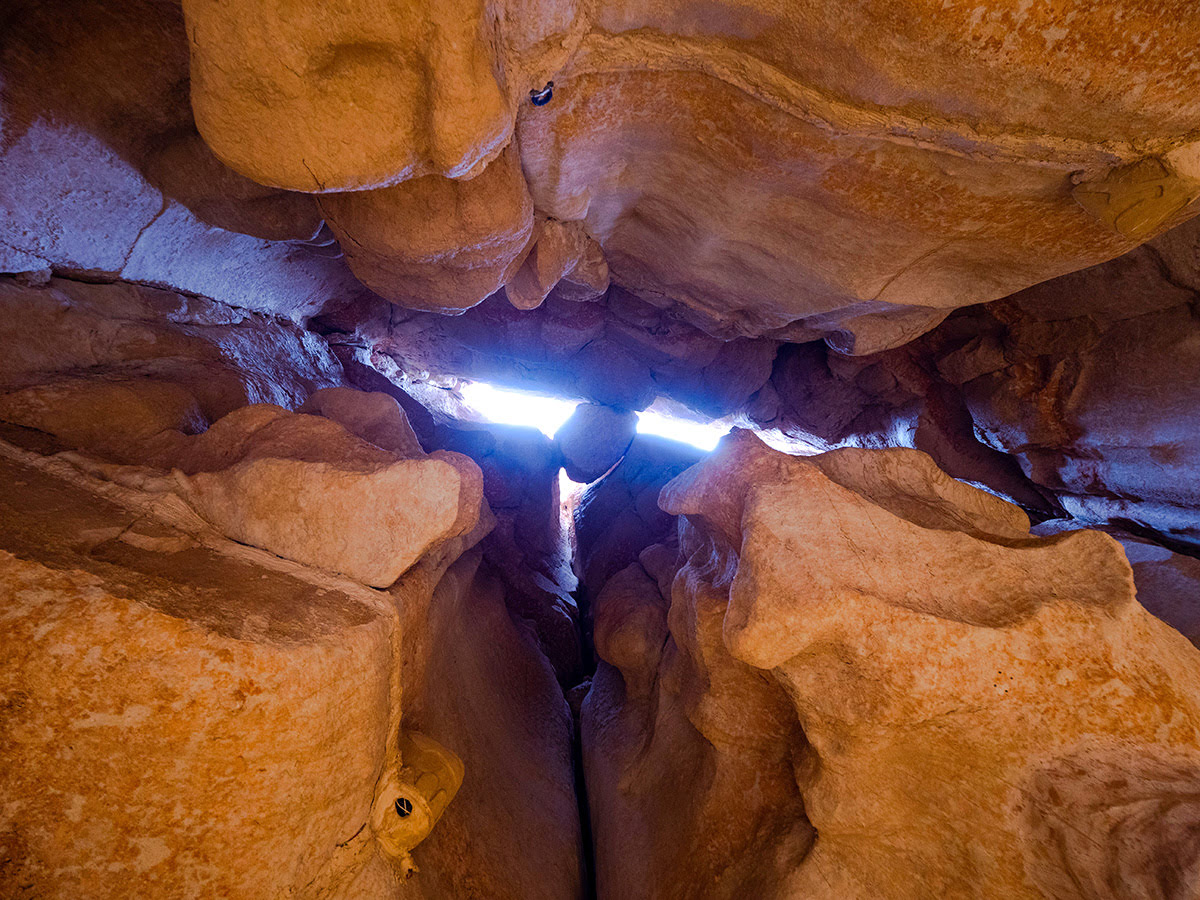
[868,680]
[765,185]
[206,691]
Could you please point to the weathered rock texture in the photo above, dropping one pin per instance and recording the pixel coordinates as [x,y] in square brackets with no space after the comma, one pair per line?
[618,351]
[476,680]
[102,169]
[277,94]
[766,185]
[107,366]
[939,169]
[307,489]
[152,671]
[1073,397]
[849,677]
[883,686]
[1167,582]
[527,548]
[618,516]
[182,716]
[1080,379]
[433,243]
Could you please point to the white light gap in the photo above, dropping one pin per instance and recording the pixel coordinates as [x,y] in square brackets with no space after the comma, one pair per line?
[704,435]
[506,406]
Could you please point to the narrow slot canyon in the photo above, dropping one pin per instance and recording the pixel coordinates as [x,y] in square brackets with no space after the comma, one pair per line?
[664,450]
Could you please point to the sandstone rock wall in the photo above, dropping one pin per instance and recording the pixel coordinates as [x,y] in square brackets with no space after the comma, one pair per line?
[475,678]
[102,169]
[528,548]
[1085,382]
[860,203]
[246,578]
[937,171]
[813,657]
[183,716]
[107,366]
[186,715]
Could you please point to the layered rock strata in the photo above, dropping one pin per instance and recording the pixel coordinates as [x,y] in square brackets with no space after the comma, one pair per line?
[183,716]
[1073,397]
[875,199]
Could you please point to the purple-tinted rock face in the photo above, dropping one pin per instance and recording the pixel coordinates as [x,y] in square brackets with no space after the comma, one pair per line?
[281,614]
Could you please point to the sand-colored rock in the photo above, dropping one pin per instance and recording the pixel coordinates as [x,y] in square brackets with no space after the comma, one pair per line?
[181,717]
[436,243]
[106,366]
[847,677]
[1167,581]
[356,364]
[154,674]
[803,155]
[764,182]
[588,278]
[111,416]
[278,95]
[374,416]
[558,250]
[1081,380]
[1068,397]
[690,756]
[475,680]
[975,244]
[307,489]
[952,724]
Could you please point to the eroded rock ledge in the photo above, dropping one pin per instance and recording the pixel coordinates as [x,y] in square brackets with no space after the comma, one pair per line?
[858,202]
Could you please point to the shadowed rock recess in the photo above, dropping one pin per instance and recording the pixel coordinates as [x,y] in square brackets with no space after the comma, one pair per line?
[285,613]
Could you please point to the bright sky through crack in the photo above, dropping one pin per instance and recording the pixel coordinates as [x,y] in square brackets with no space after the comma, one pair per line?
[547,414]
